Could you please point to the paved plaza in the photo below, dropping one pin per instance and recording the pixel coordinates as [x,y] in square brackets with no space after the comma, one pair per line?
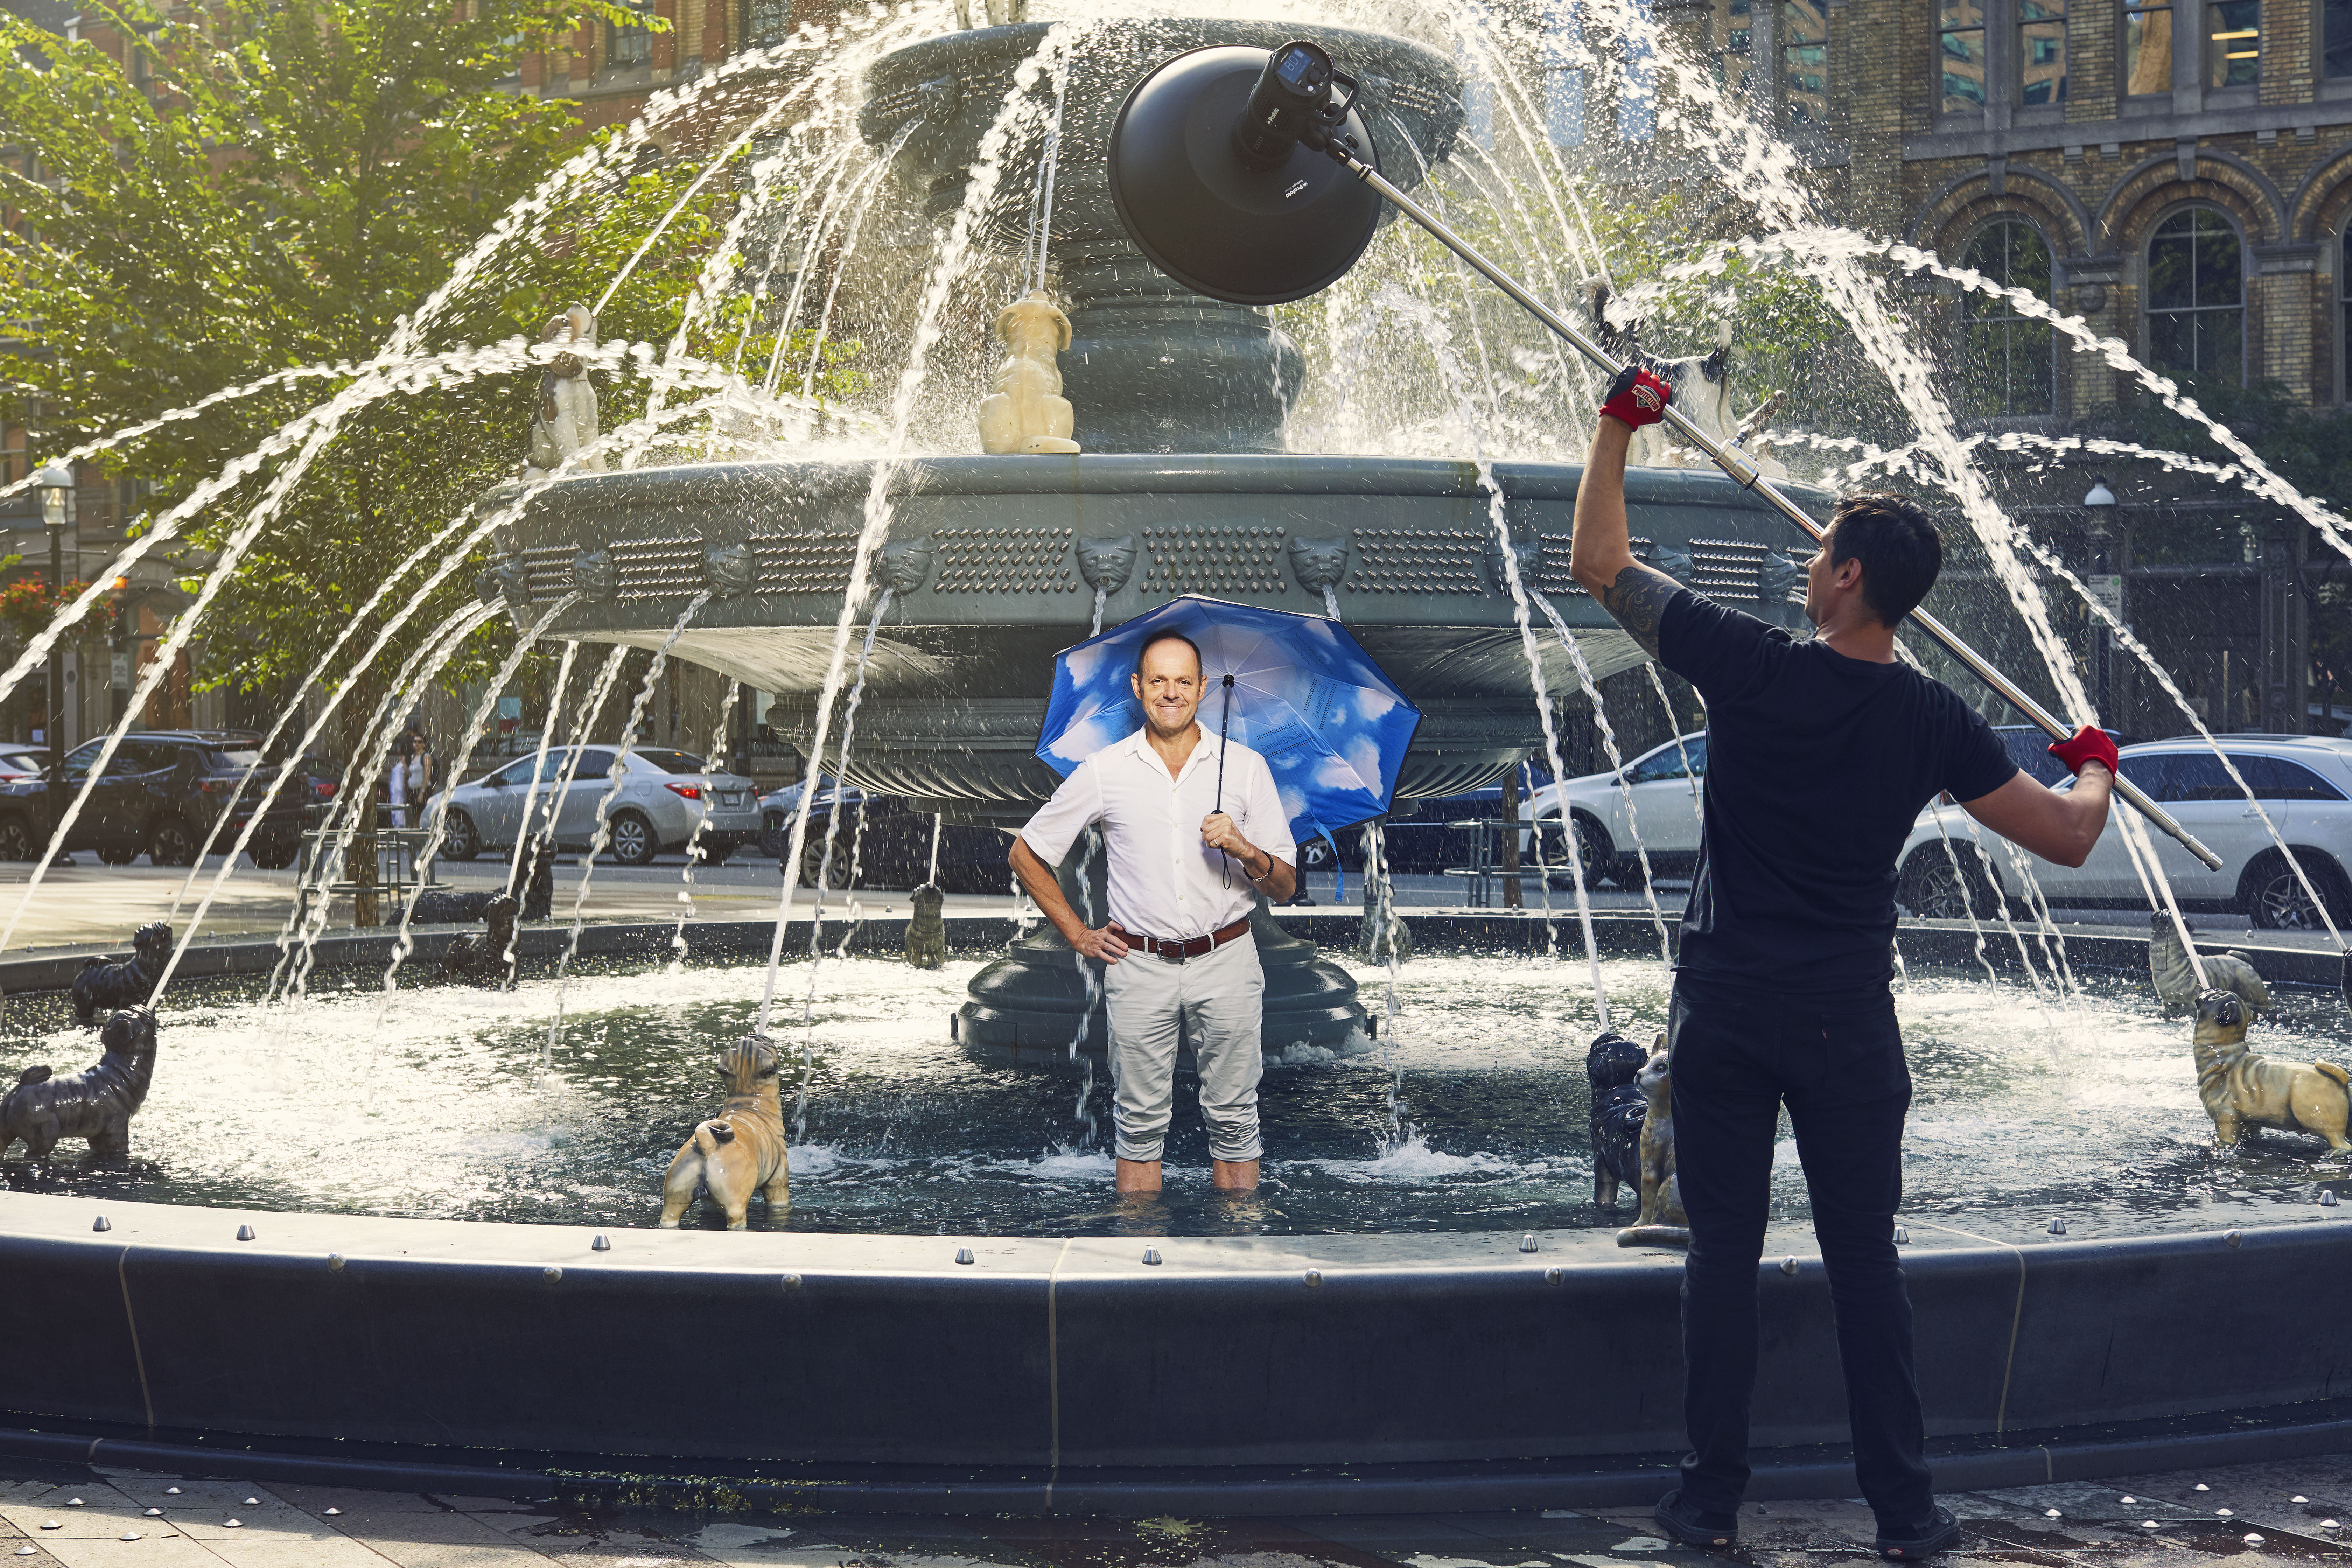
[2255,1513]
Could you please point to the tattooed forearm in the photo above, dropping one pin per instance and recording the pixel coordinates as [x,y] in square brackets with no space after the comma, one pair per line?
[1637,600]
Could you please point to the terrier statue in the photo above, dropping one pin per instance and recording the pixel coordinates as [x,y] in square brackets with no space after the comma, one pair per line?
[2176,982]
[2240,1088]
[564,415]
[96,1103]
[740,1151]
[1027,413]
[1661,1222]
[105,984]
[926,930]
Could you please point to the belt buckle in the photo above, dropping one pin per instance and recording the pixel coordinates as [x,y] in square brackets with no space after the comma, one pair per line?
[1171,952]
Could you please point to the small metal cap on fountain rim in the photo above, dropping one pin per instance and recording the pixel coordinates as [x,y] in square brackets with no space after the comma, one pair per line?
[2234,1237]
[791,1281]
[1902,1236]
[551,1273]
[246,1233]
[335,1261]
[1314,1278]
[2058,1226]
[963,1255]
[2327,1198]
[1788,1266]
[100,1224]
[1528,1243]
[1151,1255]
[601,1243]
[1555,1275]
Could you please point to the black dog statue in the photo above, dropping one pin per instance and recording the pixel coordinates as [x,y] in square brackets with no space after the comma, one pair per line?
[536,878]
[483,959]
[96,1103]
[104,985]
[1618,1106]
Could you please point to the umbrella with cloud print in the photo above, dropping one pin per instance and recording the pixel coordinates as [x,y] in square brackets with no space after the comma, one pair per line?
[1305,696]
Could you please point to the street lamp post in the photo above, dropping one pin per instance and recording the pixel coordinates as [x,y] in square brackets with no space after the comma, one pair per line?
[56,483]
[2106,584]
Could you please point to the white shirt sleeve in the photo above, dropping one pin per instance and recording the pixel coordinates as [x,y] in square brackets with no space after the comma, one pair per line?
[1076,806]
[1269,825]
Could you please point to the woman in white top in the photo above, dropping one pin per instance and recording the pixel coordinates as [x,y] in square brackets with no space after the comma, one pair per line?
[398,780]
[420,776]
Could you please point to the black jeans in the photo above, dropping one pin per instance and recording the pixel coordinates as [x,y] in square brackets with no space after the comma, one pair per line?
[1838,1065]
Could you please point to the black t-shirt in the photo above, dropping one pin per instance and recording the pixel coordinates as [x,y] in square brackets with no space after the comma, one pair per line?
[1817,766]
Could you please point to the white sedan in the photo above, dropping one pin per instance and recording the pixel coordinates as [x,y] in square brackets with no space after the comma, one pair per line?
[658,798]
[2304,783]
[1662,785]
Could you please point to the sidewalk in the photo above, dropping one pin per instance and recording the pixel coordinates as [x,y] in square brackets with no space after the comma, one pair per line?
[2256,1514]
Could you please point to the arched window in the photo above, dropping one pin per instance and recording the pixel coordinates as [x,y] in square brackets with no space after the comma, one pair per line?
[2008,360]
[2344,311]
[2197,296]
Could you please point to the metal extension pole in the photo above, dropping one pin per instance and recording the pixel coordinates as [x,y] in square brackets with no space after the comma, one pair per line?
[1740,467]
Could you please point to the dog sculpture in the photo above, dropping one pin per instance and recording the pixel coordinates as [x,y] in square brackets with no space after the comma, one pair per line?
[483,959]
[96,1103]
[2176,982]
[1702,389]
[927,931]
[2240,1089]
[740,1151]
[1027,413]
[563,416]
[105,984]
[1661,1222]
[1611,1065]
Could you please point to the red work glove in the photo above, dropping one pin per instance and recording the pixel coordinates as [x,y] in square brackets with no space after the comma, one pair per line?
[1637,396]
[2090,744]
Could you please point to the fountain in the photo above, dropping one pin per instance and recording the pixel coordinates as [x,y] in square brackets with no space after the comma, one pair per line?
[444,1269]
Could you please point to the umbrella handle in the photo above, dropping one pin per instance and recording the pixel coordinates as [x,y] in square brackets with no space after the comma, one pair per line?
[1224,728]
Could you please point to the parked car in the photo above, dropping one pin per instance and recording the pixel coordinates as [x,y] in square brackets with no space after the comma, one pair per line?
[890,841]
[2303,781]
[24,762]
[657,800]
[1665,782]
[161,794]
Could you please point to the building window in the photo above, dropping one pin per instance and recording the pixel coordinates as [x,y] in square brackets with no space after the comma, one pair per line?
[766,23]
[2040,52]
[1805,62]
[1563,45]
[2233,43]
[2008,360]
[626,48]
[2336,39]
[1960,45]
[2147,48]
[2196,297]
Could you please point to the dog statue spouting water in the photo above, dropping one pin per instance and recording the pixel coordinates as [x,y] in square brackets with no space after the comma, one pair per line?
[2176,982]
[95,1104]
[1661,1222]
[1610,1066]
[485,959]
[740,1151]
[1702,389]
[2242,1088]
[105,984]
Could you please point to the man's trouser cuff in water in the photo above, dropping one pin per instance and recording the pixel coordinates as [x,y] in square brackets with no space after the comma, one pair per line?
[1217,1002]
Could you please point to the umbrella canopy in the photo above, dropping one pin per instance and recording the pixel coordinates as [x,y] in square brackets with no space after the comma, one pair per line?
[1305,696]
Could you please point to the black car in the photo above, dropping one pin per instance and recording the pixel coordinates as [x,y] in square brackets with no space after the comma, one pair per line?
[890,840]
[160,794]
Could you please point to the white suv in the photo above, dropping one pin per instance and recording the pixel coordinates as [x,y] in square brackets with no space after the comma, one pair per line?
[2305,785]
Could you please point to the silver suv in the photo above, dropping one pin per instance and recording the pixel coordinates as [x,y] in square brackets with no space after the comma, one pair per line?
[658,797]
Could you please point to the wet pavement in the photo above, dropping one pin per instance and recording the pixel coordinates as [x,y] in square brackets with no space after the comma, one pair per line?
[2257,1513]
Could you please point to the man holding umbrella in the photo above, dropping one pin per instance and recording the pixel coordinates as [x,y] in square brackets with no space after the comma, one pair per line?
[1194,830]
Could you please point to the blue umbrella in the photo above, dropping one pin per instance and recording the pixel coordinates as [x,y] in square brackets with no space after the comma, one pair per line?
[1330,725]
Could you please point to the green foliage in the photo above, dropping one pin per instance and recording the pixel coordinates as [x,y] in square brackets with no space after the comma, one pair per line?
[292,178]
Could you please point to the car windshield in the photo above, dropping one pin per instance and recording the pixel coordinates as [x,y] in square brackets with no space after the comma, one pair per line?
[674,761]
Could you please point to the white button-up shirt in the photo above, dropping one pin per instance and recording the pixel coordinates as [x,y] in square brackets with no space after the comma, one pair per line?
[1164,881]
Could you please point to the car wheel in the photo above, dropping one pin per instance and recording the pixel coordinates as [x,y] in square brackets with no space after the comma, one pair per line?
[1933,889]
[171,844]
[273,854]
[775,834]
[632,839]
[1595,855]
[460,839]
[118,854]
[2273,897]
[17,839]
[713,851]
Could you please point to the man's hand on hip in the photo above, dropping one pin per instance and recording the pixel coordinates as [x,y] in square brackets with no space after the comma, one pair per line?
[1106,942]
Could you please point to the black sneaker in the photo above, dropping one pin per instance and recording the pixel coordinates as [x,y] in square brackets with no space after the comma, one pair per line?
[1693,1527]
[1940,1533]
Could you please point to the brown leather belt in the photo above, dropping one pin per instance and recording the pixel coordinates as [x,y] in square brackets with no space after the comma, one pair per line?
[1188,947]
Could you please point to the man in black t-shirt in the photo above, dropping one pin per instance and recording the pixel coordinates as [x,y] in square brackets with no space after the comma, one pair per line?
[1821,754]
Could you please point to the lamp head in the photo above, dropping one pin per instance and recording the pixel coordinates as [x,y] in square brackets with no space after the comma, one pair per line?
[55,481]
[2100,494]
[1220,171]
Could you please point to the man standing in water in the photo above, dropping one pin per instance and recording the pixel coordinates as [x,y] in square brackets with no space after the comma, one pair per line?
[1821,754]
[1184,876]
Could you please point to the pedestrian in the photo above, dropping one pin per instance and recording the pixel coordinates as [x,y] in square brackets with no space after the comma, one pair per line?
[396,781]
[1821,754]
[421,782]
[1193,831]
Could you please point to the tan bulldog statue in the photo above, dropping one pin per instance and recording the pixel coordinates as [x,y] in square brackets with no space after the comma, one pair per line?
[1027,413]
[2242,1088]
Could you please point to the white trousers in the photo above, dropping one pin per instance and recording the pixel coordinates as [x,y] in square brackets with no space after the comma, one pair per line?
[1217,1002]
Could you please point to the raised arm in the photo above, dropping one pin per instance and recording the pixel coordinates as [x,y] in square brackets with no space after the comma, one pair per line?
[1601,553]
[2060,827]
